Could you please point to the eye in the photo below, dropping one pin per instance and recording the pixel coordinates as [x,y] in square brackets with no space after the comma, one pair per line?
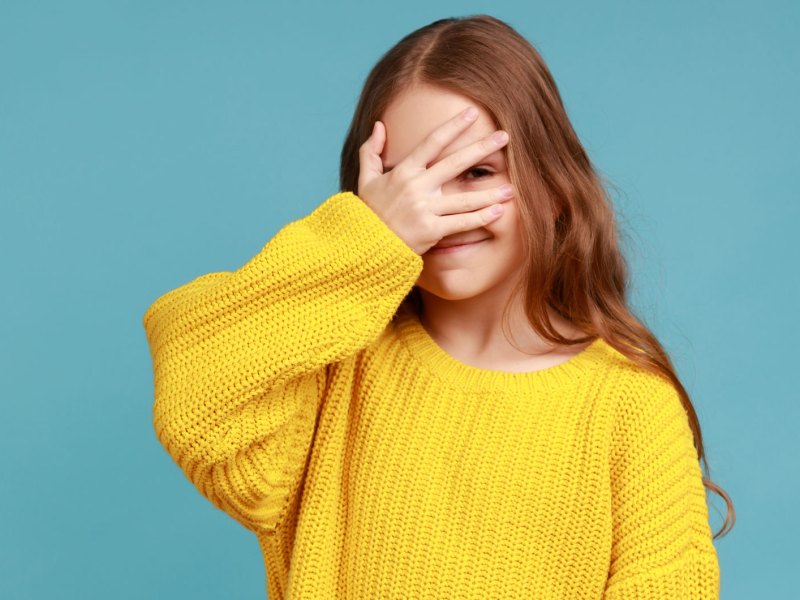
[482,173]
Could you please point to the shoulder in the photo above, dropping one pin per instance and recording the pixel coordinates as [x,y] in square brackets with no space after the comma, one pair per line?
[632,388]
[626,370]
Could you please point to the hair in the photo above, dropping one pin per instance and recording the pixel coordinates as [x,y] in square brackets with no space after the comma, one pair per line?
[574,265]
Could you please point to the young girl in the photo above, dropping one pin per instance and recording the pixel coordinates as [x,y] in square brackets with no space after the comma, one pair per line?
[430,387]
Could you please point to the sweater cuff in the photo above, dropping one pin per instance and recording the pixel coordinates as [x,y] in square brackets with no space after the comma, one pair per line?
[367,225]
[695,576]
[356,230]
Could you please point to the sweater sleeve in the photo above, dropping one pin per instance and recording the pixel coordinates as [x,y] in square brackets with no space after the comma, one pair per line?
[240,358]
[662,543]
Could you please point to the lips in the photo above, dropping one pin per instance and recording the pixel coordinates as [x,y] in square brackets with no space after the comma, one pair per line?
[455,248]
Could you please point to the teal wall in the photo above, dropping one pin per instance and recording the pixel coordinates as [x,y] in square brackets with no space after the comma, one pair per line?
[145,143]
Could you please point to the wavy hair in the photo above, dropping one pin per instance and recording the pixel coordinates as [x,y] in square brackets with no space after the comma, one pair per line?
[574,265]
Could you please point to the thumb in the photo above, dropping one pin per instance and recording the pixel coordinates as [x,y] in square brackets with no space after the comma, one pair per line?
[370,162]
[378,139]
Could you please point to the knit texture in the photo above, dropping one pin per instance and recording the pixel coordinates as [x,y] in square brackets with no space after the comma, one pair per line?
[370,463]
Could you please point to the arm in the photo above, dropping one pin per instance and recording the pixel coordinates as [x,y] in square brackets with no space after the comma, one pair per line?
[662,544]
[240,358]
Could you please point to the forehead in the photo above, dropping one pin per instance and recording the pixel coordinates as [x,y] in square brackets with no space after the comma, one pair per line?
[416,112]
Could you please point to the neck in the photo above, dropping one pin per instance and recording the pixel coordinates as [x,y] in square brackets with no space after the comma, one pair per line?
[474,328]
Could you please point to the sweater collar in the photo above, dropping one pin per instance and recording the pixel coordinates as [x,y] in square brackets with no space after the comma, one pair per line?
[424,349]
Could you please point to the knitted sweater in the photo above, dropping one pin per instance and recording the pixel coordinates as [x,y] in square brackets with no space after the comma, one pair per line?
[370,463]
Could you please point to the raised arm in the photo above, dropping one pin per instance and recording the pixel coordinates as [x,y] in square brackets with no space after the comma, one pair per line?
[239,358]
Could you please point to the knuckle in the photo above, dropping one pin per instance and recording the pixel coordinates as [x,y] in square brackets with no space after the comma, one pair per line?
[436,137]
[402,172]
[405,185]
[457,161]
[428,222]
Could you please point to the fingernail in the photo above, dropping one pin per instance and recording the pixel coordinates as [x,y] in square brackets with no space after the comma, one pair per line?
[470,113]
[499,136]
[497,209]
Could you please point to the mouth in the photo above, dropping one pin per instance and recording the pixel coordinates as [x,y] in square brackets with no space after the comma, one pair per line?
[456,248]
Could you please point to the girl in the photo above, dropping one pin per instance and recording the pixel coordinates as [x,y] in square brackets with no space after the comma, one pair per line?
[431,386]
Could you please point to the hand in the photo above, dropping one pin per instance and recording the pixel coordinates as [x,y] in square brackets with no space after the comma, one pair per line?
[409,198]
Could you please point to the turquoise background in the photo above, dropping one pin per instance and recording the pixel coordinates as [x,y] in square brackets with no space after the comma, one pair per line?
[145,143]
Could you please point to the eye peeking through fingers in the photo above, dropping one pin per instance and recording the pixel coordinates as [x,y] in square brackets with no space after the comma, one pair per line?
[483,173]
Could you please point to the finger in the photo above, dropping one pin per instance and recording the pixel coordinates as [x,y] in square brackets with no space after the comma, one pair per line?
[369,155]
[470,201]
[461,160]
[437,140]
[467,221]
[377,140]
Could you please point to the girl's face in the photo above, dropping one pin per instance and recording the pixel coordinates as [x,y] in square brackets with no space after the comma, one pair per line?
[485,271]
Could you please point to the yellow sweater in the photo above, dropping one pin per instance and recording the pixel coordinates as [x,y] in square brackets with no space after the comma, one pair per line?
[372,464]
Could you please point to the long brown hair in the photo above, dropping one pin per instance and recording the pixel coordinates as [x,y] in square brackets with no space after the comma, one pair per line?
[574,265]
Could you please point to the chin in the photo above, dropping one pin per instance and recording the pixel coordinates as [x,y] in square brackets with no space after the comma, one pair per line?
[453,292]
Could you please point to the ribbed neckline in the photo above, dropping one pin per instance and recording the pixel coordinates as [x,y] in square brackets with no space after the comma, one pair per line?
[433,357]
